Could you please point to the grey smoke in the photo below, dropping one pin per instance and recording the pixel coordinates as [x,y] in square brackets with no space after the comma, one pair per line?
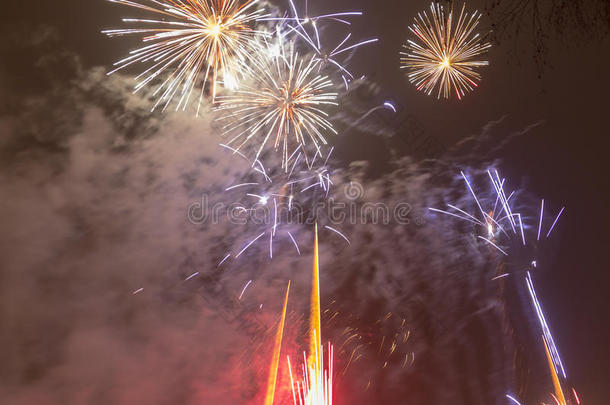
[96,190]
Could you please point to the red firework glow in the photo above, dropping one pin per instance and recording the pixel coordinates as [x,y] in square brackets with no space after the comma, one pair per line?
[315,386]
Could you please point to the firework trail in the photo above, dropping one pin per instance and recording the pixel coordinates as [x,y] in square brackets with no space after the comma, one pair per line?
[282,98]
[549,342]
[497,222]
[387,105]
[308,29]
[513,399]
[315,322]
[316,386]
[276,353]
[556,367]
[187,39]
[446,54]
[559,397]
[552,355]
[501,227]
[383,344]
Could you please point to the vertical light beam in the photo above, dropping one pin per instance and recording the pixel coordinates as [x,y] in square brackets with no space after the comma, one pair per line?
[556,383]
[275,362]
[315,329]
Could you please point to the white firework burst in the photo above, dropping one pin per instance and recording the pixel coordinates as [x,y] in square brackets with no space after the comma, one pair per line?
[190,43]
[282,98]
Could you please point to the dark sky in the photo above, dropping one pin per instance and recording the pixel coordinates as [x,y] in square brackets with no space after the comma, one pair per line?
[564,160]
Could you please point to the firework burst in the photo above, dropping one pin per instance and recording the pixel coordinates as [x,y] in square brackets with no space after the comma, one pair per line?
[497,221]
[190,43]
[309,29]
[280,201]
[445,54]
[499,225]
[283,99]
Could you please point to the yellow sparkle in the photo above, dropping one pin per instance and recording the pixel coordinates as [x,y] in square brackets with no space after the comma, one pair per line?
[445,53]
[215,30]
[187,40]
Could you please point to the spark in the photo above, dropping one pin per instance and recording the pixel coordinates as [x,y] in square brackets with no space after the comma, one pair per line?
[316,386]
[274,194]
[576,396]
[314,20]
[500,224]
[472,192]
[138,291]
[491,223]
[244,290]
[555,222]
[338,233]
[241,185]
[189,38]
[490,230]
[262,200]
[513,399]
[282,98]
[548,337]
[389,105]
[476,222]
[385,343]
[541,216]
[521,227]
[386,105]
[249,244]
[494,245]
[224,260]
[192,276]
[330,58]
[235,151]
[296,245]
[445,54]
[504,206]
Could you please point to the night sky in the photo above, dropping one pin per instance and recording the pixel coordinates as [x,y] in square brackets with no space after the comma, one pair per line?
[562,159]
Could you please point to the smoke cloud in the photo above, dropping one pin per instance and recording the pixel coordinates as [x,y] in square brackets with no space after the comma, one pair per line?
[112,294]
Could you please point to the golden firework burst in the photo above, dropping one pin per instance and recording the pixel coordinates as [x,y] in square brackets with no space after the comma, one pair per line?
[445,54]
[191,43]
[282,97]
